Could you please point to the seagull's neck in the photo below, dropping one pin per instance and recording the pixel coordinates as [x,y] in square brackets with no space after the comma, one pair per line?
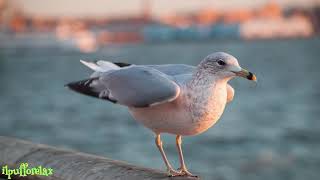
[206,96]
[201,79]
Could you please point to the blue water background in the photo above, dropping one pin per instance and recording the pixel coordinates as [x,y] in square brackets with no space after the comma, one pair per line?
[271,130]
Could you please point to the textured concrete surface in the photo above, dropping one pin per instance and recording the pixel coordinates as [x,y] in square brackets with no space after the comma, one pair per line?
[71,165]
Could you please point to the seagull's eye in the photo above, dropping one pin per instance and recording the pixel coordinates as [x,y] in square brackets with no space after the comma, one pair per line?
[221,63]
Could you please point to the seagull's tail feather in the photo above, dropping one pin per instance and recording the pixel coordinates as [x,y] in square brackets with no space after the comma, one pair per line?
[101,66]
[92,66]
[92,87]
[88,87]
[107,65]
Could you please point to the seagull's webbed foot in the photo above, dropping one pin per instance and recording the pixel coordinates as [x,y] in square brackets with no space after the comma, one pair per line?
[183,171]
[172,173]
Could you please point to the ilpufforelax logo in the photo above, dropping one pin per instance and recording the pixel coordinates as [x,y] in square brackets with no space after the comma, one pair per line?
[24,171]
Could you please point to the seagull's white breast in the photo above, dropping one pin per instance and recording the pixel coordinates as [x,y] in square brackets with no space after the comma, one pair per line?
[190,114]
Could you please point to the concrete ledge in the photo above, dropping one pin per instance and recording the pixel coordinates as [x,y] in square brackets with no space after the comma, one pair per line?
[71,165]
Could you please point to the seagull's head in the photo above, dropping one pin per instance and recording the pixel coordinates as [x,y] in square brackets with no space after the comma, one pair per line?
[225,65]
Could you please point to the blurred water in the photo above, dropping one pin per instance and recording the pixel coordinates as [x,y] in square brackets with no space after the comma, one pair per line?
[270,131]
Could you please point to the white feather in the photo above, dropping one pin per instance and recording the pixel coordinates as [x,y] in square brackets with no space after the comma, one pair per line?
[92,66]
[107,65]
[100,66]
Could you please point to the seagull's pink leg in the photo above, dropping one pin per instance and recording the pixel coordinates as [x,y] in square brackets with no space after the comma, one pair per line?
[170,170]
[183,169]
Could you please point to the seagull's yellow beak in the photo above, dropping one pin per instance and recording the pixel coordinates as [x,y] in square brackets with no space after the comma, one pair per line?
[246,74]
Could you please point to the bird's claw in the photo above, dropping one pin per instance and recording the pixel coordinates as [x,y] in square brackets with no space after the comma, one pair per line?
[173,173]
[185,172]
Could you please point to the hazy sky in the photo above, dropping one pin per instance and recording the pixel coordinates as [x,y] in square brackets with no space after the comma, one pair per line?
[129,7]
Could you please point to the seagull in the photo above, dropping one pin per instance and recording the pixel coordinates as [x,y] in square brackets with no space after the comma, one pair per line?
[177,99]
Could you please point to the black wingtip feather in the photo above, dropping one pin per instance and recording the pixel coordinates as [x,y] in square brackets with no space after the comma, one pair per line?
[121,64]
[83,87]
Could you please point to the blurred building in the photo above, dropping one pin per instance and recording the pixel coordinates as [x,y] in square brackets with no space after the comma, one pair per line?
[124,8]
[294,26]
[90,24]
[3,11]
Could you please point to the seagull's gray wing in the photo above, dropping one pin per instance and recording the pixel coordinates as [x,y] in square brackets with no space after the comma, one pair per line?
[174,69]
[168,69]
[134,86]
[180,73]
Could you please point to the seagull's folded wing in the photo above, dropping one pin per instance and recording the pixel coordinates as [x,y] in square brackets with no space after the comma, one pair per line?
[135,86]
